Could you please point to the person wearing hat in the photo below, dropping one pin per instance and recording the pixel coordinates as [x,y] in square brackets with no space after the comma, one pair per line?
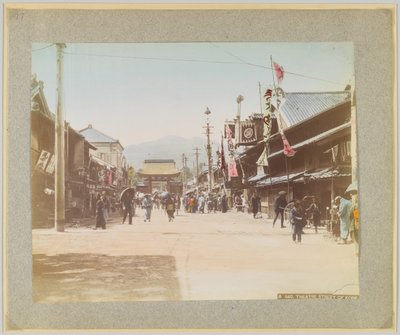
[344,212]
[127,208]
[279,206]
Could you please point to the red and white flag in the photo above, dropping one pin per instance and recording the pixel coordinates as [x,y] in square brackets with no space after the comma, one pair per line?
[279,72]
[287,149]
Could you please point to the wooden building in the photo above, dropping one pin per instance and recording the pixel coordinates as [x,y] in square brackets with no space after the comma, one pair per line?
[318,126]
[159,175]
[43,163]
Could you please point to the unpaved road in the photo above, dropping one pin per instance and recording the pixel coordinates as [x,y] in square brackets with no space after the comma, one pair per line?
[196,257]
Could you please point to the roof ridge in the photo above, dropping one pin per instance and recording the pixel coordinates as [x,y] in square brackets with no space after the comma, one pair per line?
[100,132]
[319,92]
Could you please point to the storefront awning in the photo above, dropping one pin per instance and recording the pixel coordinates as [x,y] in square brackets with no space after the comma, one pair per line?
[269,181]
[102,163]
[257,178]
[327,173]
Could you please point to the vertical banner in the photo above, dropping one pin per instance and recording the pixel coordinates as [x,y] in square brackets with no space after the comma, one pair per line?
[247,133]
[266,108]
[232,170]
[42,160]
[263,159]
[51,166]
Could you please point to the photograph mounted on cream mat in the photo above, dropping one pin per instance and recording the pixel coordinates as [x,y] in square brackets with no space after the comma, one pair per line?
[209,172]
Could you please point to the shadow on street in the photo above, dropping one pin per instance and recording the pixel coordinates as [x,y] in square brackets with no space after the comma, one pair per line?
[96,277]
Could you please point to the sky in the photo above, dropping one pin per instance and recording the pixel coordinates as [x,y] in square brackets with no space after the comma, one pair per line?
[141,92]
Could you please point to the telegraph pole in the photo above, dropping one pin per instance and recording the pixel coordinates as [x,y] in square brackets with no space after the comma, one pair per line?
[197,169]
[184,173]
[59,216]
[239,100]
[207,127]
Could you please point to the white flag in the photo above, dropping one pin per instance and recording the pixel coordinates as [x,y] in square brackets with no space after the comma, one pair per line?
[263,159]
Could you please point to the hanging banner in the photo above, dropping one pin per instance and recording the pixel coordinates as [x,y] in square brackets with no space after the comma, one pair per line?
[278,98]
[232,170]
[247,133]
[229,130]
[287,149]
[51,166]
[266,108]
[263,159]
[42,160]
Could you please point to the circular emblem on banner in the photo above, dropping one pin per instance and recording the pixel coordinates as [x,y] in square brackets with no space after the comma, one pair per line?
[248,133]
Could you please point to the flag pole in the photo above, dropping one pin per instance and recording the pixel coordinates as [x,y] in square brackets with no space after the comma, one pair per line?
[259,93]
[280,125]
[272,70]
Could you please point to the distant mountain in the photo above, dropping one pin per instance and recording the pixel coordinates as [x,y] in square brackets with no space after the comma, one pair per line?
[168,147]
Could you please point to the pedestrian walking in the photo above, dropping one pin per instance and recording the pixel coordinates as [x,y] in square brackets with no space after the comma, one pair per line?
[335,221]
[201,203]
[279,207]
[148,206]
[224,204]
[127,202]
[297,221]
[100,221]
[344,212]
[170,208]
[107,205]
[255,200]
[178,203]
[315,213]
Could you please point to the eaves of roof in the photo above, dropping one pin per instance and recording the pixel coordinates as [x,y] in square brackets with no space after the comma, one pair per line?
[314,139]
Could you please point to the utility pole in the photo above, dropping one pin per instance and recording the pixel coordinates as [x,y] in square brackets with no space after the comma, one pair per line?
[239,100]
[184,173]
[197,169]
[207,127]
[59,216]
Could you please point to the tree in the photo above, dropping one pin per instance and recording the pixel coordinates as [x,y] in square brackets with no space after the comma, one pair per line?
[132,176]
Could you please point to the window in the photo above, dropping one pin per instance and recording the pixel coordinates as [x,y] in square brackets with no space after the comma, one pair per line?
[345,151]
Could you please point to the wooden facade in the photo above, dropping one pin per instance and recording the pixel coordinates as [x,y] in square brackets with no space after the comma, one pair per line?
[321,167]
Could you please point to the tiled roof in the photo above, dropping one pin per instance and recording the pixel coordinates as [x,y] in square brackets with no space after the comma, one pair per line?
[160,169]
[278,180]
[94,136]
[256,178]
[328,173]
[301,106]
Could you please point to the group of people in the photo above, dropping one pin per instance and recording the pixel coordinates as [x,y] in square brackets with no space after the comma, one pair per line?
[169,202]
[203,203]
[344,216]
[343,212]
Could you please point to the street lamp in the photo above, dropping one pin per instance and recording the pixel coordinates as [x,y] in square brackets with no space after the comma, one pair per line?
[207,127]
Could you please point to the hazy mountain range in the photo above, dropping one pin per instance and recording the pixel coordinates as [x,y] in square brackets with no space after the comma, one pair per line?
[168,147]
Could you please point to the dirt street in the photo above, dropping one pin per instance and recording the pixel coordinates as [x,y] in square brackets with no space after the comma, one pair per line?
[195,257]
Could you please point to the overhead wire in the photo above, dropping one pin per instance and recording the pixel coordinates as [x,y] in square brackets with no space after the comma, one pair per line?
[47,46]
[239,62]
